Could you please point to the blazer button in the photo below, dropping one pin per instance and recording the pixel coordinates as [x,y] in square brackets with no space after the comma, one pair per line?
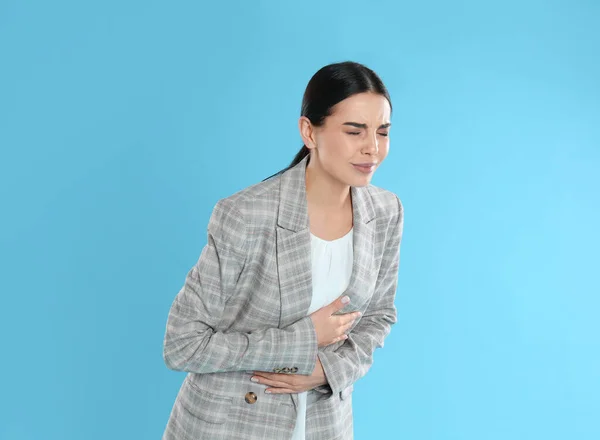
[276,370]
[251,397]
[294,370]
[286,370]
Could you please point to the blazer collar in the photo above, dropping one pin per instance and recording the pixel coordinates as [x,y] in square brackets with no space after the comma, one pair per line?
[293,206]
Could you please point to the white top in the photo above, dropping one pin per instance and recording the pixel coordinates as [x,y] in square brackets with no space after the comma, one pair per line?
[331,270]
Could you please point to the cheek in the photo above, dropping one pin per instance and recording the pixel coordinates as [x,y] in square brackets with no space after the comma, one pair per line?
[384,148]
[336,155]
[339,147]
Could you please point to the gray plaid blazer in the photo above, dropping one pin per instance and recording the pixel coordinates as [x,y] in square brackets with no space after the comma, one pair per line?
[243,307]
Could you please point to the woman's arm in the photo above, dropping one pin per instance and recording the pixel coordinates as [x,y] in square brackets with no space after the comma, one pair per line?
[191,341]
[351,360]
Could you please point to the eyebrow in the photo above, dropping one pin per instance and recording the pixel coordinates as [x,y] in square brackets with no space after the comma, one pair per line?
[357,125]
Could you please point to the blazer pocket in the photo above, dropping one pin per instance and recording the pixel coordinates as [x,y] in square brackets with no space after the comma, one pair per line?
[211,408]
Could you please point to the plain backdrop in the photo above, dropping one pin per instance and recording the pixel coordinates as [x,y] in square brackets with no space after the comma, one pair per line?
[123,122]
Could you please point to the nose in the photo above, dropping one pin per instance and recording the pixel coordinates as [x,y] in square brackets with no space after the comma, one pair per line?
[372,145]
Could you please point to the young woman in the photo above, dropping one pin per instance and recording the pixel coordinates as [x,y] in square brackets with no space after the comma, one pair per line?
[295,288]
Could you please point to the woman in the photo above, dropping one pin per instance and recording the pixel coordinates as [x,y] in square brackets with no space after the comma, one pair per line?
[295,287]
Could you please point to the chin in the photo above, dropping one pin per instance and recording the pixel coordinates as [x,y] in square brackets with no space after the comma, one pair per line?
[363,183]
[358,179]
[355,179]
[358,182]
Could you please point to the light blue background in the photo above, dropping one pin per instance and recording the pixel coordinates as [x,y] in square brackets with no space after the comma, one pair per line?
[123,122]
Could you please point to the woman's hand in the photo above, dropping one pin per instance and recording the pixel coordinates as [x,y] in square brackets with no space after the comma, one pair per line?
[281,383]
[332,328]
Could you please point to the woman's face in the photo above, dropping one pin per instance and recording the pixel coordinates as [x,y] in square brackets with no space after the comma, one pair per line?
[356,133]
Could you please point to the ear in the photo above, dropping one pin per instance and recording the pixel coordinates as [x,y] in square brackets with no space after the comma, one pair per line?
[307,132]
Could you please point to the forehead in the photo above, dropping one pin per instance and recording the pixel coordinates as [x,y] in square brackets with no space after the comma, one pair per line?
[362,107]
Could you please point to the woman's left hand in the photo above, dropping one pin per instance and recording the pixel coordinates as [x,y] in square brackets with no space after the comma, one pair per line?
[281,383]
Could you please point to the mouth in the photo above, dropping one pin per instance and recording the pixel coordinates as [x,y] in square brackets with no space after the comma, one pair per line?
[365,168]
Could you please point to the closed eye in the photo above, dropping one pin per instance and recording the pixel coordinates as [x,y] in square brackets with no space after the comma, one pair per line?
[356,133]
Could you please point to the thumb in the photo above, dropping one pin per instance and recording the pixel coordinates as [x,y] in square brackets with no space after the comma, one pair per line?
[339,304]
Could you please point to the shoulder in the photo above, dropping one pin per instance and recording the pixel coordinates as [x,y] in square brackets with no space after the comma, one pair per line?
[241,213]
[252,201]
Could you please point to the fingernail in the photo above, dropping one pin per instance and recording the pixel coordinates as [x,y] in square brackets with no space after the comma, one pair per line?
[254,379]
[267,392]
[345,300]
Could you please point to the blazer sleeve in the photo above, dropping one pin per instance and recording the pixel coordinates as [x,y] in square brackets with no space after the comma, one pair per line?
[353,358]
[192,341]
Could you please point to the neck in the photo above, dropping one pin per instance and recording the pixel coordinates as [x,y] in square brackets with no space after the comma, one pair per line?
[323,190]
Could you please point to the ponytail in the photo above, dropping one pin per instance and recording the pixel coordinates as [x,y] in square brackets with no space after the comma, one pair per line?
[297,159]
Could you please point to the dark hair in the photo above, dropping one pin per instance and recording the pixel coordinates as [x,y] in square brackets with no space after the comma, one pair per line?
[329,86]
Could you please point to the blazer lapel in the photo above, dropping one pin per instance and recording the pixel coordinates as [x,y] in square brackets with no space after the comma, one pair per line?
[364,274]
[294,247]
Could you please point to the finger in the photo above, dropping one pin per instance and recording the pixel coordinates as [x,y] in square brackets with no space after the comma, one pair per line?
[348,324]
[338,304]
[343,324]
[271,382]
[349,317]
[279,391]
[273,376]
[346,327]
[265,374]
